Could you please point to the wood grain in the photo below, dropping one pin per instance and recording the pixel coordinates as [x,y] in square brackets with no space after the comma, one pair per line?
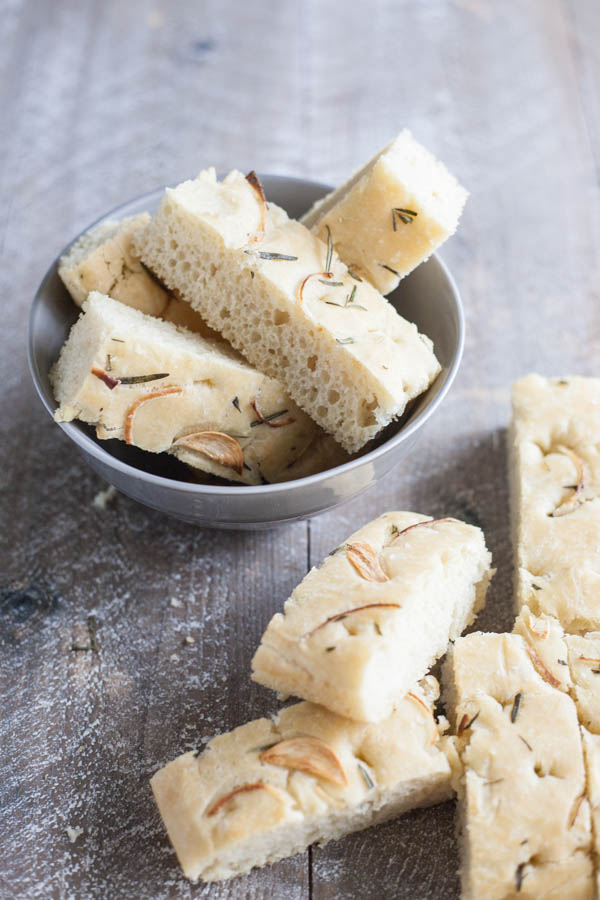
[103,101]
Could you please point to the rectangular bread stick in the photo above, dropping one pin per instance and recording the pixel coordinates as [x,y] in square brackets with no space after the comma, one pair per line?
[283,298]
[376,614]
[525,817]
[272,787]
[104,260]
[392,214]
[555,481]
[162,388]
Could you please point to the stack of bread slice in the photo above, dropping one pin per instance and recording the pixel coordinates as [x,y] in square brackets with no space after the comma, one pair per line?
[326,361]
[358,636]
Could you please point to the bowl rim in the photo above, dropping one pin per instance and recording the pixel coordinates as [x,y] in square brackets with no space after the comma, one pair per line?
[88,445]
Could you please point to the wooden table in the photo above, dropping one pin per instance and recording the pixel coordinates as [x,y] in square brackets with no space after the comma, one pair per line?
[104,100]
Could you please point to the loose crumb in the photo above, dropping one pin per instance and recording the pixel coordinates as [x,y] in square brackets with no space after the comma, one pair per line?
[176,603]
[174,658]
[74,832]
[189,639]
[104,498]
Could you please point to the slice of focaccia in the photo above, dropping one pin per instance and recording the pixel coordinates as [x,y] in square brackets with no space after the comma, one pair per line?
[525,816]
[282,297]
[271,788]
[372,619]
[104,260]
[392,214]
[162,388]
[555,481]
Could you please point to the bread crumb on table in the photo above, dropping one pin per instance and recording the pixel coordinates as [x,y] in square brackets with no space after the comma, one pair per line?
[104,498]
[74,832]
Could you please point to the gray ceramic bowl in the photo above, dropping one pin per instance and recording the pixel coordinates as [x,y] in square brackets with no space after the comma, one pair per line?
[427,297]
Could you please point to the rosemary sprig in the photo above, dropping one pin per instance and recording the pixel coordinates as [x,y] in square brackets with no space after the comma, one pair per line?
[329,250]
[515,707]
[142,379]
[406,216]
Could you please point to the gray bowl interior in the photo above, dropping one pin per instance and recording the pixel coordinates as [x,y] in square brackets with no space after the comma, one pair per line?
[427,297]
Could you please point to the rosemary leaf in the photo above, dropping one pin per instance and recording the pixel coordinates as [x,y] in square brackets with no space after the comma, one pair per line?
[519,876]
[515,707]
[236,403]
[329,649]
[268,418]
[329,250]
[353,275]
[141,379]
[370,784]
[389,268]
[348,340]
[332,283]
[266,254]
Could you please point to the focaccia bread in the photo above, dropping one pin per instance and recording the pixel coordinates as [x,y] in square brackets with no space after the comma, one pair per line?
[526,830]
[271,788]
[392,214]
[104,260]
[372,619]
[555,480]
[282,297]
[162,388]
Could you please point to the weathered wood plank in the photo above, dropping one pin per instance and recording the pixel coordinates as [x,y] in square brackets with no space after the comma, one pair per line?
[102,101]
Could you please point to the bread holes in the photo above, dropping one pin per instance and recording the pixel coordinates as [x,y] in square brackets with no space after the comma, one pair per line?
[333,396]
[311,363]
[280,317]
[366,413]
[213,270]
[322,411]
[173,244]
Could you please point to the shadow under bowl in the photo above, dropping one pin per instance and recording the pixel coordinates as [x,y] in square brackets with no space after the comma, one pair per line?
[428,297]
